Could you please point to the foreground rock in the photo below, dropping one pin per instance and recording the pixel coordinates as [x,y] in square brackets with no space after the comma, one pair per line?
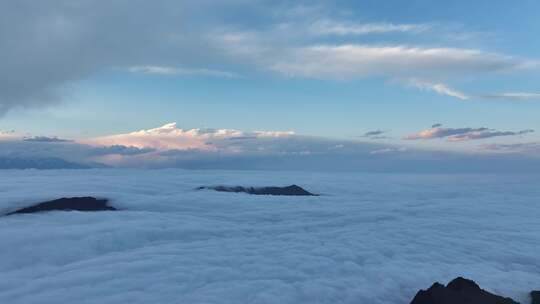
[292,190]
[69,204]
[535,296]
[459,291]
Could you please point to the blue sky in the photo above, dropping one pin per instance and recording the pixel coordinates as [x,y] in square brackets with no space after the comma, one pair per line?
[84,69]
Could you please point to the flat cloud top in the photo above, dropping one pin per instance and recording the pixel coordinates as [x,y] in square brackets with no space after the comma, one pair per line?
[357,243]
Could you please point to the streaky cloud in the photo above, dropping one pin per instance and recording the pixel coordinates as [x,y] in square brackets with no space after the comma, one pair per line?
[176,71]
[516,96]
[345,61]
[48,139]
[462,134]
[332,27]
[437,87]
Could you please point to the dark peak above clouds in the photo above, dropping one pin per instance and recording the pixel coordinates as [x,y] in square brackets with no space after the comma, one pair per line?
[459,291]
[68,204]
[292,190]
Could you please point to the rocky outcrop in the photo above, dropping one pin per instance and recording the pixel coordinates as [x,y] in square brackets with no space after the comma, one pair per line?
[535,297]
[292,190]
[68,204]
[459,291]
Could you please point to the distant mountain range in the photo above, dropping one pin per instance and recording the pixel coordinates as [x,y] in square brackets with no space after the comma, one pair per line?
[43,163]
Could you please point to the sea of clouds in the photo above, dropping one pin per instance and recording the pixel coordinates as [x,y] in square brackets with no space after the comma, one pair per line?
[370,238]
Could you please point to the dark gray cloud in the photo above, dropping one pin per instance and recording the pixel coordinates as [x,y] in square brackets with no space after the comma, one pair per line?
[462,134]
[436,125]
[46,45]
[53,139]
[486,134]
[376,134]
[120,150]
[529,148]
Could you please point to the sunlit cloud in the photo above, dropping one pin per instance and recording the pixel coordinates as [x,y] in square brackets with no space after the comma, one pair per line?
[169,136]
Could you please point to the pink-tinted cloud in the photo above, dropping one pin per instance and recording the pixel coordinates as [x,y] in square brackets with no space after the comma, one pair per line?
[170,137]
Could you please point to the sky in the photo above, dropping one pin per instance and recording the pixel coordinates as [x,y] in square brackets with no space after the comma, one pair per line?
[283,77]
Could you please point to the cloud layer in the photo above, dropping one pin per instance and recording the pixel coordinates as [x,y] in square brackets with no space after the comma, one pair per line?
[171,147]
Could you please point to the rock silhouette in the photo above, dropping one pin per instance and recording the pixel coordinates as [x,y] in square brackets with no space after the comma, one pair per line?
[458,291]
[292,190]
[535,297]
[68,204]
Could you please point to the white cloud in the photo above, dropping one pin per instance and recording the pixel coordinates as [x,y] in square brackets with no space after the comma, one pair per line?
[169,137]
[360,60]
[165,70]
[439,88]
[331,27]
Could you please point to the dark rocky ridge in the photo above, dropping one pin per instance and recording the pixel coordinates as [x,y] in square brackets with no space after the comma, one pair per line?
[535,297]
[459,291]
[292,190]
[68,204]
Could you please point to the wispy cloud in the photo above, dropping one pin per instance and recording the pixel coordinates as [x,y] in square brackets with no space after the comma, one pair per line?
[439,88]
[388,150]
[529,148]
[518,96]
[462,134]
[357,60]
[332,27]
[165,70]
